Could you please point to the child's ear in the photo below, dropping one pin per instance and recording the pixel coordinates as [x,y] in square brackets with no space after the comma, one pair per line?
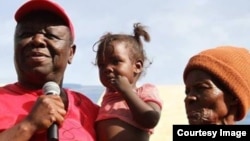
[138,66]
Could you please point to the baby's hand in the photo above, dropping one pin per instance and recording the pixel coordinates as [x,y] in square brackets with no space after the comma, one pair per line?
[122,83]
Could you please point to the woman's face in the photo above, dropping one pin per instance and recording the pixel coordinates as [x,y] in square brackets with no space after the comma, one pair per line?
[205,102]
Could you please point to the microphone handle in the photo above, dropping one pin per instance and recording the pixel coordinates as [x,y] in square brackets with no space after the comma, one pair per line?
[52,133]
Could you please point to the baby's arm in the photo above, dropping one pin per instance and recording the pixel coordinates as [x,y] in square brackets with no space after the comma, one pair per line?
[147,114]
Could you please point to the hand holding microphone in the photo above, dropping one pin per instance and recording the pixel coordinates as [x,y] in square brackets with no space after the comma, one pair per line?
[48,111]
[52,88]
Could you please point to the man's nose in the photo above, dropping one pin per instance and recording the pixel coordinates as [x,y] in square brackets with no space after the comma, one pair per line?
[38,40]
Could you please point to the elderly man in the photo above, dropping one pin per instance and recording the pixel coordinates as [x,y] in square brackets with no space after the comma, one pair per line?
[44,45]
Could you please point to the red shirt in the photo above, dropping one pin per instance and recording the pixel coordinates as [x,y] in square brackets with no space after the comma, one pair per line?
[16,102]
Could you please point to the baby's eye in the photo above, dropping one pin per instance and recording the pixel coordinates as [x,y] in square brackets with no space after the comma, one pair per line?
[115,62]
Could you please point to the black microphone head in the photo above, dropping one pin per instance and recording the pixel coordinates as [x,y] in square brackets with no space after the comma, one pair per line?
[51,88]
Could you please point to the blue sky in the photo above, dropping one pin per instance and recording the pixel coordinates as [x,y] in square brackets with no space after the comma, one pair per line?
[178,29]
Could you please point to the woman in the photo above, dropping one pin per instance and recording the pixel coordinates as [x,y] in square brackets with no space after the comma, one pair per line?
[218,86]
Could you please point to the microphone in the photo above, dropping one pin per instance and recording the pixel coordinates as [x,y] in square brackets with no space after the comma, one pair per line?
[52,88]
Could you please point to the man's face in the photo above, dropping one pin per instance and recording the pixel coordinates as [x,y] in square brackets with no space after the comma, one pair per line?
[43,47]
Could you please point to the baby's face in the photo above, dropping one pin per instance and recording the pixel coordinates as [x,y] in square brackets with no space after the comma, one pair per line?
[116,62]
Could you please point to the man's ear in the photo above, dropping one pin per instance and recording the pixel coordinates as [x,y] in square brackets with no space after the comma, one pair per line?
[71,53]
[138,66]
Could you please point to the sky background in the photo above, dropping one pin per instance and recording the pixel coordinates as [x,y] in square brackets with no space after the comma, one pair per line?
[178,30]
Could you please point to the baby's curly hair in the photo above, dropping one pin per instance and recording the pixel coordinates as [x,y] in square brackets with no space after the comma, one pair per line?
[133,41]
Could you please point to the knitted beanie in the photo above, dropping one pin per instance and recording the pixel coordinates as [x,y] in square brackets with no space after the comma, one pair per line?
[231,65]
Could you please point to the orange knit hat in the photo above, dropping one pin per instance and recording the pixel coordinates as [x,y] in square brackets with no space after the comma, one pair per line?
[231,65]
